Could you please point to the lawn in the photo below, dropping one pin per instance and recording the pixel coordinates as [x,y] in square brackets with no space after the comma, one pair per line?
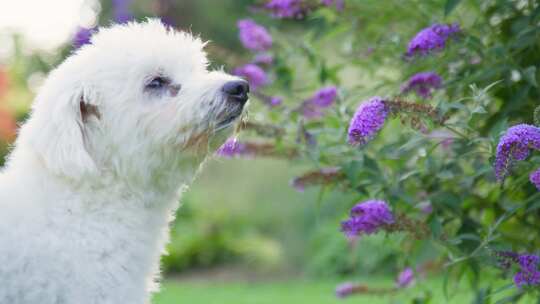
[300,291]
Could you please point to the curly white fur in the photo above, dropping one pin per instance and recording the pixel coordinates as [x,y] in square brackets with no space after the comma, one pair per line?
[97,170]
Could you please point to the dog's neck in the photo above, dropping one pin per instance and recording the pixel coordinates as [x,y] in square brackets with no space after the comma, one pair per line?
[151,184]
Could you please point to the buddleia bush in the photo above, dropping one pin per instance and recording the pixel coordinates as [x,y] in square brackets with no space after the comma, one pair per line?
[424,110]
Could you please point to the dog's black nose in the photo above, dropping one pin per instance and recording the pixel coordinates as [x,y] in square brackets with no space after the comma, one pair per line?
[237,91]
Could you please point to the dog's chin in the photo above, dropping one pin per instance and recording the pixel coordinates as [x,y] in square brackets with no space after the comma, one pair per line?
[227,122]
[229,119]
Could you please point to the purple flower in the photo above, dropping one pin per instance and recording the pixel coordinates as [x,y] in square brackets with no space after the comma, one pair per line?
[286,8]
[340,4]
[275,101]
[323,98]
[254,75]
[121,10]
[82,37]
[529,274]
[231,148]
[528,264]
[366,218]
[345,289]
[423,84]
[367,121]
[535,178]
[253,36]
[528,261]
[515,145]
[405,278]
[425,207]
[431,38]
[527,278]
[263,59]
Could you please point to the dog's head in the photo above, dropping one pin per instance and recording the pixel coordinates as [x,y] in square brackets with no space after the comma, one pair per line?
[138,94]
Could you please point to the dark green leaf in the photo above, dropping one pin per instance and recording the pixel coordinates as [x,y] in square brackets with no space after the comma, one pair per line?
[450,6]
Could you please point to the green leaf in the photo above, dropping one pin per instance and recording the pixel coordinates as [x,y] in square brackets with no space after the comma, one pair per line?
[537,116]
[530,75]
[450,6]
[436,227]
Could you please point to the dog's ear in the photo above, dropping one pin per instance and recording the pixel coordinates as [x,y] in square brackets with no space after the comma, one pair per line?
[60,130]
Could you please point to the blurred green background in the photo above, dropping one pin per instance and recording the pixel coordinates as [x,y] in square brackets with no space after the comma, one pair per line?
[242,235]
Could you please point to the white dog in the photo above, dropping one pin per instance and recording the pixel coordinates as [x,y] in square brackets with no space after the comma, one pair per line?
[96,174]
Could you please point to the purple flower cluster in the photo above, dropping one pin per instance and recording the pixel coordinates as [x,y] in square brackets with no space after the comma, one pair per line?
[534,177]
[367,217]
[423,84]
[121,10]
[253,74]
[345,290]
[231,148]
[82,37]
[254,36]
[285,8]
[431,38]
[323,98]
[367,121]
[528,274]
[515,144]
[405,278]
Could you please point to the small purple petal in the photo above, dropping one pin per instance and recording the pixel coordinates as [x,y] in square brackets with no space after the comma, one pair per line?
[405,278]
[425,207]
[231,148]
[344,290]
[82,37]
[275,101]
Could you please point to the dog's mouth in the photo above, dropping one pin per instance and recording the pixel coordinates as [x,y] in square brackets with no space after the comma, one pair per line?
[228,120]
[234,106]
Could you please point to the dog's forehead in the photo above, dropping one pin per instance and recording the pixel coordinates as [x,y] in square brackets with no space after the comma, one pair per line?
[151,46]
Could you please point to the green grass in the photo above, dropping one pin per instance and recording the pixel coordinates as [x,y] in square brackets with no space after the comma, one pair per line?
[308,291]
[299,291]
[250,293]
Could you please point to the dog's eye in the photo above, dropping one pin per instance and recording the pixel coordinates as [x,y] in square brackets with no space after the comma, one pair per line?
[158,83]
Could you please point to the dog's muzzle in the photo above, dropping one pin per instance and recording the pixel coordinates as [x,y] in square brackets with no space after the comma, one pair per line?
[236,96]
